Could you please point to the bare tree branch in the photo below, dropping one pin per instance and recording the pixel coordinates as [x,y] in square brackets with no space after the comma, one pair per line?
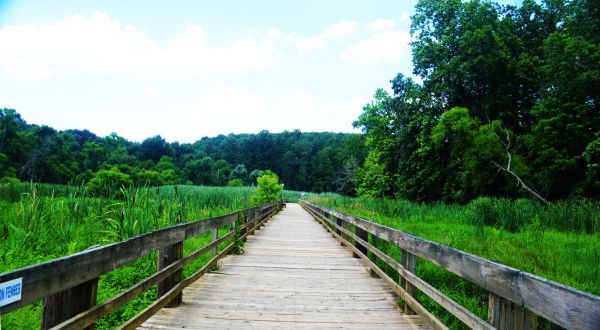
[507,169]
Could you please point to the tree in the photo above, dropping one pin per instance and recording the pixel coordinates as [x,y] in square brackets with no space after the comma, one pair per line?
[154,148]
[235,183]
[254,175]
[105,182]
[220,172]
[269,190]
[239,172]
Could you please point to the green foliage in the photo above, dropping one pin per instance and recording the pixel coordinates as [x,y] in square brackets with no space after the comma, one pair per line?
[510,85]
[305,161]
[239,172]
[235,183]
[374,181]
[269,189]
[254,175]
[106,181]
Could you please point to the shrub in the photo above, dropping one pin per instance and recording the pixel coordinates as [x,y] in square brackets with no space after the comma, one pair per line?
[106,181]
[235,183]
[269,189]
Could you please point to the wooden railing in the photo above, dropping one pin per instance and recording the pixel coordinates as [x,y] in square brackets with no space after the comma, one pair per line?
[68,285]
[516,298]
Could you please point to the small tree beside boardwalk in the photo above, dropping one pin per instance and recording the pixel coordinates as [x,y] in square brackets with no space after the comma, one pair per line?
[268,190]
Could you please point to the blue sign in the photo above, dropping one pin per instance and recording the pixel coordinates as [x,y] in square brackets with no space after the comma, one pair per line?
[10,291]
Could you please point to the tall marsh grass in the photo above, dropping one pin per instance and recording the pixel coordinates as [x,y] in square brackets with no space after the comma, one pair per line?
[39,222]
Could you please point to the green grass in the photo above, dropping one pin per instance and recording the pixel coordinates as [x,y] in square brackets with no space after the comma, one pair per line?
[560,242]
[43,222]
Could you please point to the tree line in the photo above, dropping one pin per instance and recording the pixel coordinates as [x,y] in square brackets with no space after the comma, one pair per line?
[509,105]
[303,161]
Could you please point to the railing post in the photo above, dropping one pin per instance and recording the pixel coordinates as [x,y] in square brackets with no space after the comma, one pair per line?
[167,256]
[364,235]
[340,223]
[245,220]
[504,315]
[409,262]
[63,305]
[215,236]
[376,243]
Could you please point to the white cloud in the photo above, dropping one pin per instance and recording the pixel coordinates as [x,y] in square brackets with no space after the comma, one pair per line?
[305,45]
[340,29]
[231,109]
[308,44]
[381,24]
[97,43]
[384,46]
[405,16]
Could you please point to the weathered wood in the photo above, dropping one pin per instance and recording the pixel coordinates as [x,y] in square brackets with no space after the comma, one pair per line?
[565,306]
[88,317]
[214,236]
[506,315]
[292,275]
[167,256]
[494,310]
[364,235]
[381,274]
[470,319]
[64,305]
[173,293]
[409,262]
[244,227]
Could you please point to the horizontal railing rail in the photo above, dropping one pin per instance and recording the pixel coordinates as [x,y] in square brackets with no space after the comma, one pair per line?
[516,298]
[68,285]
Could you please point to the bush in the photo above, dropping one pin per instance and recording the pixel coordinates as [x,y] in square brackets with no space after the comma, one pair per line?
[235,183]
[269,189]
[106,181]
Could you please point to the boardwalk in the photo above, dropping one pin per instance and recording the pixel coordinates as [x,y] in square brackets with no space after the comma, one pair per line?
[292,275]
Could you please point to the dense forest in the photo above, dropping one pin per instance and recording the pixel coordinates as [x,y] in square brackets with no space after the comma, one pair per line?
[303,161]
[509,105]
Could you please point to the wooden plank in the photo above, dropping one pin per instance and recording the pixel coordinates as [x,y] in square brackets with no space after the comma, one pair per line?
[364,235]
[276,284]
[565,306]
[506,315]
[89,316]
[174,292]
[437,324]
[165,257]
[214,237]
[409,262]
[470,319]
[63,305]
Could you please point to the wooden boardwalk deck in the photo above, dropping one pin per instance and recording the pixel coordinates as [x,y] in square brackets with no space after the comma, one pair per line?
[292,275]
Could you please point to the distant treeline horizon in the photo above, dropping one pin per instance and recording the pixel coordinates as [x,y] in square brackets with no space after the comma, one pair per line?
[303,161]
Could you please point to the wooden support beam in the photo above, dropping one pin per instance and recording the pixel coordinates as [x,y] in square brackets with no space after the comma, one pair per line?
[409,262]
[214,237]
[63,305]
[364,235]
[506,315]
[167,256]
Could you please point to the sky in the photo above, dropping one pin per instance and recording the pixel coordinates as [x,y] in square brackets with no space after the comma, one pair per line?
[188,69]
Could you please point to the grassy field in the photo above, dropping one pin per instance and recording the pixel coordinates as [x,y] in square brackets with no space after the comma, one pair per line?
[560,242]
[43,222]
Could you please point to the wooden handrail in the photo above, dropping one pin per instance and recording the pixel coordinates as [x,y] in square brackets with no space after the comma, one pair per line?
[63,275]
[563,305]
